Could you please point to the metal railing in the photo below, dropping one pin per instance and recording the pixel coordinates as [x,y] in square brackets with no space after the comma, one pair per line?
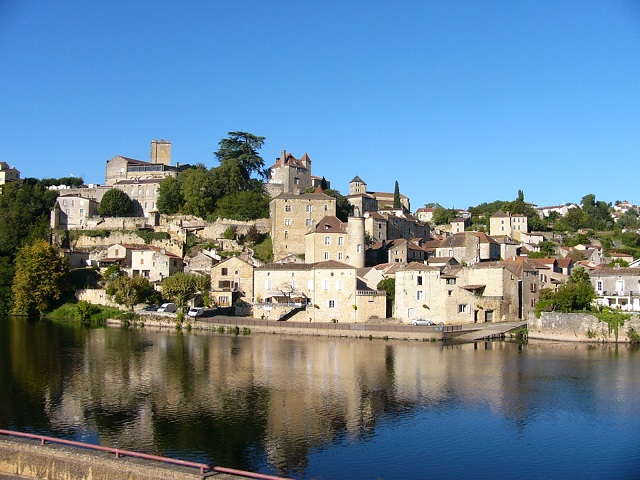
[202,467]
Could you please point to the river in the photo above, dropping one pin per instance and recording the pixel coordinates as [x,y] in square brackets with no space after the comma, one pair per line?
[329,408]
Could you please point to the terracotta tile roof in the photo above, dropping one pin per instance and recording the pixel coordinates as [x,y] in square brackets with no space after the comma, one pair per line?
[417,266]
[330,224]
[332,265]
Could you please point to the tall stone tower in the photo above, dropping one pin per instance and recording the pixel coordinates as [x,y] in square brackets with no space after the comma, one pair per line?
[356,246]
[161,152]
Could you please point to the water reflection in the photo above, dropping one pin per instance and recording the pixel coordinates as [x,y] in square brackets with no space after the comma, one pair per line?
[275,403]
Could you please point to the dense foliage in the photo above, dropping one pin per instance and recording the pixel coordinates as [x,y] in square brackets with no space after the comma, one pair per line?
[115,203]
[227,191]
[41,278]
[182,287]
[576,295]
[24,218]
[129,291]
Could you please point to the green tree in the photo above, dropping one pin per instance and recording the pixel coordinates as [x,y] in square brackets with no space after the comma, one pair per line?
[396,196]
[115,203]
[41,278]
[246,205]
[182,287]
[389,286]
[199,192]
[443,215]
[84,310]
[547,250]
[170,198]
[242,147]
[129,291]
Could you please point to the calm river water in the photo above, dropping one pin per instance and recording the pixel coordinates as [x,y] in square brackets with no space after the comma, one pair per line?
[326,408]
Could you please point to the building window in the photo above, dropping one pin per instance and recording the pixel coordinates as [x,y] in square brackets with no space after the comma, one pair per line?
[326,207]
[339,255]
[451,281]
[533,287]
[225,272]
[358,248]
[489,316]
[287,208]
[419,280]
[327,240]
[286,234]
[332,304]
[339,284]
[599,285]
[142,261]
[463,308]
[326,255]
[287,221]
[309,222]
[449,292]
[340,240]
[309,208]
[325,285]
[419,294]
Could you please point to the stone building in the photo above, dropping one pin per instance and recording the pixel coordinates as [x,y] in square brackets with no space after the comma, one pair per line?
[469,248]
[291,175]
[153,263]
[333,239]
[231,280]
[293,216]
[72,212]
[489,292]
[502,223]
[617,287]
[321,292]
[8,174]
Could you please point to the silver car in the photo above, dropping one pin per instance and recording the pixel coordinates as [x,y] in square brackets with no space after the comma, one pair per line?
[422,322]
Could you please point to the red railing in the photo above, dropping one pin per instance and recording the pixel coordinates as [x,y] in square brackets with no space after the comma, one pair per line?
[128,453]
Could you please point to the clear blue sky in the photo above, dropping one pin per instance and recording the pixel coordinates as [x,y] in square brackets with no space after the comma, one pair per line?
[461,102]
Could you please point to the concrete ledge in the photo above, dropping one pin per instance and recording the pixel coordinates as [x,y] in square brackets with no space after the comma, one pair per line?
[29,459]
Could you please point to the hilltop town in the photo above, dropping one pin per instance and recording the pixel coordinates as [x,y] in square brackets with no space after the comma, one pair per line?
[373,260]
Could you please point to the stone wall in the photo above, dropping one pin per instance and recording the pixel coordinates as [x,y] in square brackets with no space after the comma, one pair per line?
[84,242]
[29,459]
[97,297]
[575,327]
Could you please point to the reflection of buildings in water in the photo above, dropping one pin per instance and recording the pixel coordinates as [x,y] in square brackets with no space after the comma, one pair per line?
[291,393]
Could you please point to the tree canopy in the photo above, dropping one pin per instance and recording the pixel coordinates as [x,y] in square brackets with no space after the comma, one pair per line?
[181,287]
[115,203]
[396,196]
[129,291]
[41,278]
[216,192]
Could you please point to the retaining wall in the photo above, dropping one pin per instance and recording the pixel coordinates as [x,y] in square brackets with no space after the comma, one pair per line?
[29,459]
[577,327]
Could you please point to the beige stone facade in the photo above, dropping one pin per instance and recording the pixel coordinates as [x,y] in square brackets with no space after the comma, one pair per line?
[73,212]
[326,290]
[469,248]
[293,216]
[151,262]
[335,240]
[502,223]
[231,279]
[8,174]
[291,175]
[456,295]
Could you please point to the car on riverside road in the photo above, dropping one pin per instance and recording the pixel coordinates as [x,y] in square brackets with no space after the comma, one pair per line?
[168,308]
[422,322]
[195,312]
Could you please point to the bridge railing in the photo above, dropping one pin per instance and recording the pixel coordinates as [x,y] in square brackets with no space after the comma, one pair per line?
[203,467]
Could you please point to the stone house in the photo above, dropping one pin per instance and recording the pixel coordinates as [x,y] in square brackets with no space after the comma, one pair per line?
[617,287]
[232,279]
[406,251]
[291,175]
[72,212]
[502,223]
[322,292]
[293,216]
[469,248]
[383,200]
[153,263]
[390,225]
[425,214]
[333,239]
[484,292]
[201,262]
[8,174]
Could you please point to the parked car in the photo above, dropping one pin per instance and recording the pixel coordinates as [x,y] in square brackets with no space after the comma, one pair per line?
[422,322]
[168,308]
[195,312]
[149,308]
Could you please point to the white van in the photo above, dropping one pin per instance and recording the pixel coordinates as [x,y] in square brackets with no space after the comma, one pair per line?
[168,308]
